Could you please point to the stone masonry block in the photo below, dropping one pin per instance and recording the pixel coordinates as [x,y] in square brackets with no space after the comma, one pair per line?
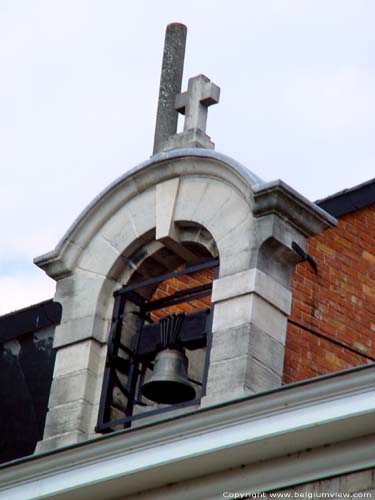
[234,262]
[191,191]
[80,329]
[99,257]
[82,385]
[83,293]
[234,285]
[141,209]
[232,313]
[268,318]
[227,377]
[273,292]
[253,309]
[235,258]
[86,355]
[66,439]
[230,343]
[267,350]
[244,360]
[248,339]
[252,280]
[238,236]
[259,377]
[215,197]
[274,255]
[120,230]
[68,418]
[272,225]
[230,215]
[166,195]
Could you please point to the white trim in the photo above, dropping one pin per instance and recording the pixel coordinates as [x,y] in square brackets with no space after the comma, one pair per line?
[321,463]
[322,412]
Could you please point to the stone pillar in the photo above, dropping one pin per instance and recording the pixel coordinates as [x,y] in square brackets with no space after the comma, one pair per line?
[249,329]
[75,394]
[170,83]
[252,306]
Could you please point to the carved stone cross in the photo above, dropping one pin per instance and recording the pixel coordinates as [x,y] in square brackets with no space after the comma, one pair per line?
[200,94]
[193,104]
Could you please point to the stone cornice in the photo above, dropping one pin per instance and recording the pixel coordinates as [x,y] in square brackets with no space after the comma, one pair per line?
[278,198]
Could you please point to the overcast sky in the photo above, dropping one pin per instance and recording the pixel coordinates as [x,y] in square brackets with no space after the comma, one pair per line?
[78,96]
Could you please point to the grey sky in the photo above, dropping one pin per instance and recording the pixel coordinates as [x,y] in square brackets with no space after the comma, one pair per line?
[78,96]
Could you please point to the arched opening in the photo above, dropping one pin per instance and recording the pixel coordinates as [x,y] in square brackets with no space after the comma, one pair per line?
[163,291]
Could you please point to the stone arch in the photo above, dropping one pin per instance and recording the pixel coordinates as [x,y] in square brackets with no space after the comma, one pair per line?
[203,199]
[63,260]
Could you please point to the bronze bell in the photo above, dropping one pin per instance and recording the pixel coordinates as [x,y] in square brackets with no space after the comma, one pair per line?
[168,383]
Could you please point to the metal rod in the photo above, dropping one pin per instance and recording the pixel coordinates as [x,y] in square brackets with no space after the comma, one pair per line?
[333,341]
[159,279]
[173,300]
[108,379]
[129,419]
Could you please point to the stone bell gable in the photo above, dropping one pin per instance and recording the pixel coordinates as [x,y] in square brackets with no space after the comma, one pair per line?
[191,204]
[185,209]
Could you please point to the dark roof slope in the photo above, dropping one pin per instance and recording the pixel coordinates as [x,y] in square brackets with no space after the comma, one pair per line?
[29,319]
[27,360]
[349,200]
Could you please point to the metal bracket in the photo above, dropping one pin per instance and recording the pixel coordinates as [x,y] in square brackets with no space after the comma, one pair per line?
[305,256]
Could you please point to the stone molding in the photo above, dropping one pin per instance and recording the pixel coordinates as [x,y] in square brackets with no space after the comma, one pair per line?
[193,138]
[278,198]
[61,261]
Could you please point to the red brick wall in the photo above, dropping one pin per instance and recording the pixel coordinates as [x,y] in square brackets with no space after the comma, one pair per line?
[172,285]
[338,302]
